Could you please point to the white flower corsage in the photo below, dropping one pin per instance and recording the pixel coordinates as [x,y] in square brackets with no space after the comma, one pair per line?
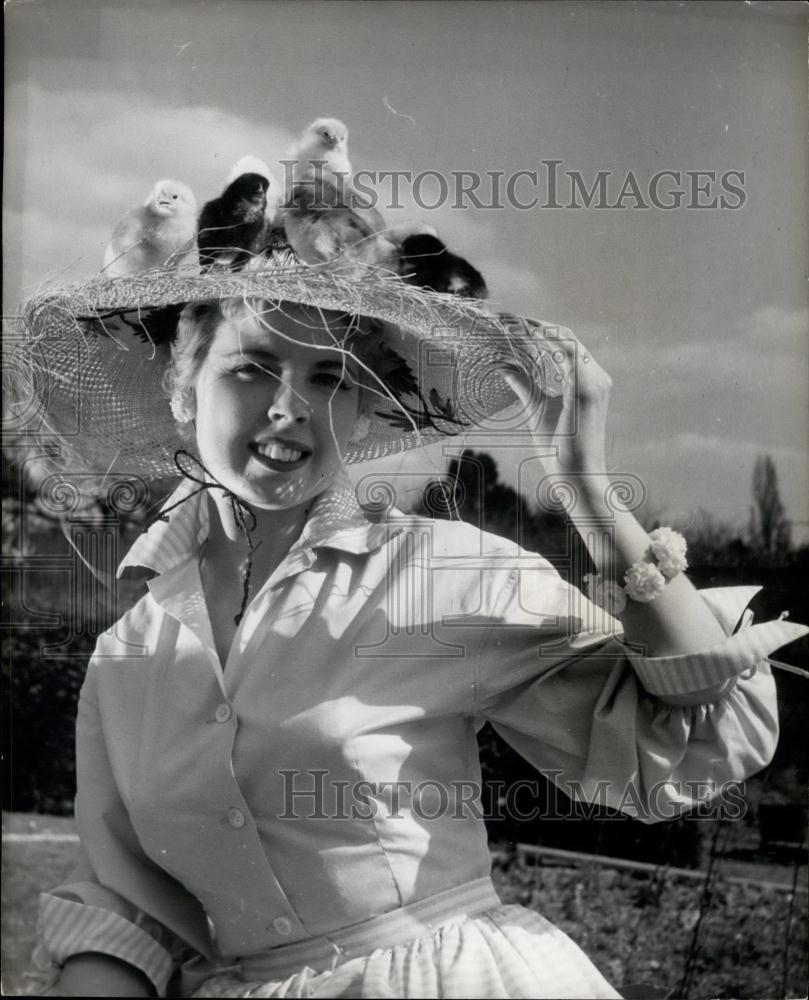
[668,547]
[645,579]
[644,582]
[607,594]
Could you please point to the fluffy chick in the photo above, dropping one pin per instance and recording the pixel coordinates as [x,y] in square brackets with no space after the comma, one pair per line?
[322,151]
[321,225]
[158,233]
[232,228]
[425,261]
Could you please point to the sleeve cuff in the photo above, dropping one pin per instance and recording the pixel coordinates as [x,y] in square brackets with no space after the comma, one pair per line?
[677,675]
[728,605]
[67,928]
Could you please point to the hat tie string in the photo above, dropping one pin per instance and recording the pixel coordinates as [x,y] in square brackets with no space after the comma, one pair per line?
[243,514]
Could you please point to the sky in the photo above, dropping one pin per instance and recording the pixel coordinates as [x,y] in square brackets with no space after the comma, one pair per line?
[698,313]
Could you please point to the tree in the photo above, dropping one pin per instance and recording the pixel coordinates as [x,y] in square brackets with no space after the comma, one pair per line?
[473,491]
[712,542]
[769,527]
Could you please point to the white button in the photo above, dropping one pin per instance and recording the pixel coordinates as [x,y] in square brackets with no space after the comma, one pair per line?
[236,818]
[223,713]
[282,926]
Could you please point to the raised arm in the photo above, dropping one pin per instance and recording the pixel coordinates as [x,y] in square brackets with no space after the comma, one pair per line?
[569,432]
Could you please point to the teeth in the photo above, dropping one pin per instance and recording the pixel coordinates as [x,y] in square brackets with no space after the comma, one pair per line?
[279,452]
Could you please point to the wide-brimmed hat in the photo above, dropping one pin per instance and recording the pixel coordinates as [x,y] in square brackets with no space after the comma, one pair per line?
[87,370]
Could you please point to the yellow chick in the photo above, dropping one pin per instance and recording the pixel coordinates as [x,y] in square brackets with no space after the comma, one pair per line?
[322,151]
[159,233]
[322,226]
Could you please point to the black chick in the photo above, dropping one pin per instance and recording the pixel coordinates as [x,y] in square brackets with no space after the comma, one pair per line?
[231,228]
[426,262]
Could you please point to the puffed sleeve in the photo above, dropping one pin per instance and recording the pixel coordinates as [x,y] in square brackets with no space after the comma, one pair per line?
[117,901]
[556,680]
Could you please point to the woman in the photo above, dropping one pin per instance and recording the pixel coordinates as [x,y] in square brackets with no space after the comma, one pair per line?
[276,757]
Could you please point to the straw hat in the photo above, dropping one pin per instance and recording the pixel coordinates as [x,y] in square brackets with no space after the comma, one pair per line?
[88,371]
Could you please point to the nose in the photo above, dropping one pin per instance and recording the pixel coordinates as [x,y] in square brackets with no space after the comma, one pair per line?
[288,406]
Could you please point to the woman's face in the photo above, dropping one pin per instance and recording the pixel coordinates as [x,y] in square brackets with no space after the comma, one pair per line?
[275,406]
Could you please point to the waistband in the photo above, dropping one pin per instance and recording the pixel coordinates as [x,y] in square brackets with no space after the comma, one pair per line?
[399,926]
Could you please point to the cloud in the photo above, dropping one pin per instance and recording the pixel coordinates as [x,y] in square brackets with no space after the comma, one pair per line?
[113,137]
[773,320]
[690,470]
[693,415]
[751,386]
[714,446]
[512,288]
[83,158]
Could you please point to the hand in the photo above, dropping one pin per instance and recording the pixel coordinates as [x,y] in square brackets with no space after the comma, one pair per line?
[94,975]
[574,422]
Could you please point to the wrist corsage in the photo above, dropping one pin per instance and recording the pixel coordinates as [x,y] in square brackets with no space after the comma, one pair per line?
[668,547]
[646,578]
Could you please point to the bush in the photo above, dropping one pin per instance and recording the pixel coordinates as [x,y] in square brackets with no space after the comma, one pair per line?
[55,608]
[41,694]
[638,929]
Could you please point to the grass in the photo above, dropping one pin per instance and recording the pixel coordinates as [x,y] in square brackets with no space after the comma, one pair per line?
[638,929]
[28,869]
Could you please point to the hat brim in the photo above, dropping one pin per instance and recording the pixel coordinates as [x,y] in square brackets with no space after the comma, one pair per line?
[90,368]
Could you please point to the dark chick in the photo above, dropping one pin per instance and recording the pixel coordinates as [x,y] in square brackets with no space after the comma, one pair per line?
[232,227]
[426,262]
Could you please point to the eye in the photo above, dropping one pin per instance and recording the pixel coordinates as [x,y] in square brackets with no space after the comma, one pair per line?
[175,197]
[249,371]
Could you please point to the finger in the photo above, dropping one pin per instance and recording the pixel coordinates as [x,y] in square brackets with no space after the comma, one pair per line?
[559,340]
[541,362]
[541,413]
[517,380]
[584,368]
[568,342]
[561,336]
[552,355]
[526,392]
[530,400]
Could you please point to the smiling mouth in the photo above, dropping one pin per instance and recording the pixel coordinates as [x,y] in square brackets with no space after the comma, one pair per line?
[280,456]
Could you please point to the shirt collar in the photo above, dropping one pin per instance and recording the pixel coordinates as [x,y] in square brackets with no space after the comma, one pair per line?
[336,521]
